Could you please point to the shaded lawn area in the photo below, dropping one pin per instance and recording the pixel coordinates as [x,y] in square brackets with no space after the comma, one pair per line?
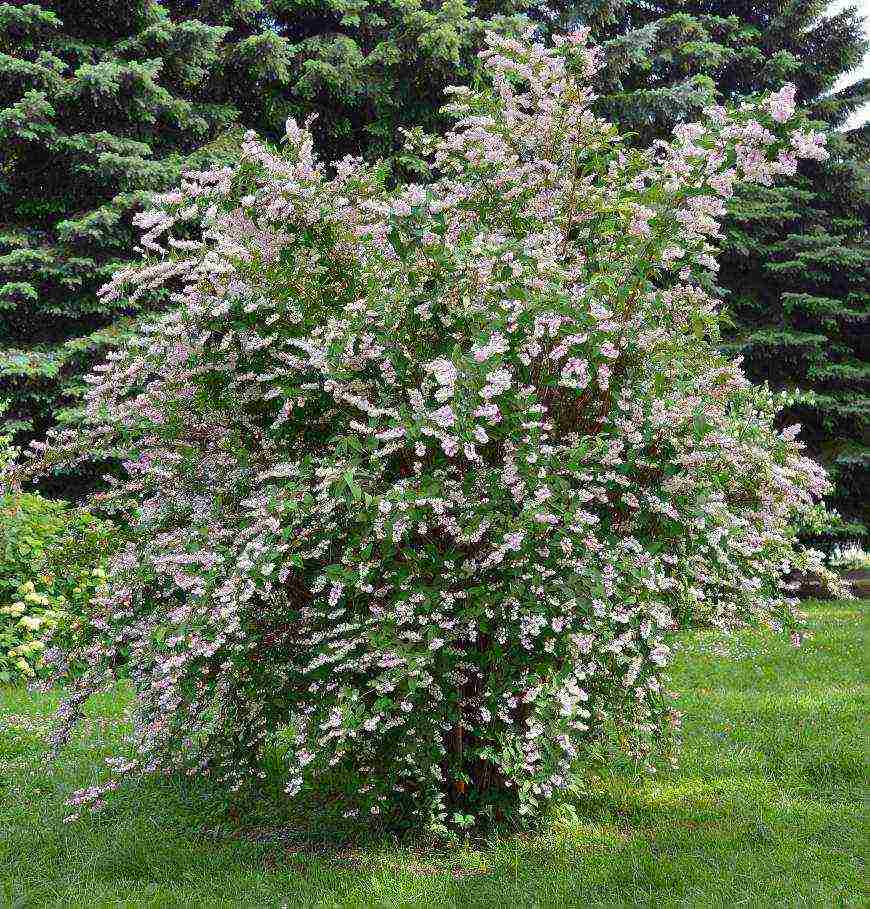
[765,809]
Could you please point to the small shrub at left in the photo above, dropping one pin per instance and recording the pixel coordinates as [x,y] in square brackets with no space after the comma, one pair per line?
[52,558]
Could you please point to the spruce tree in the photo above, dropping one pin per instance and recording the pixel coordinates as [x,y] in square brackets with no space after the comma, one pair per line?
[100,105]
[103,104]
[365,68]
[795,259]
[796,264]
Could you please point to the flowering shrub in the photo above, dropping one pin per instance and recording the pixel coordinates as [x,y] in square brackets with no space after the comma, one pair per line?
[27,523]
[422,481]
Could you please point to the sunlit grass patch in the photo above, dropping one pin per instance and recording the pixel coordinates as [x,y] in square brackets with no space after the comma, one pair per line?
[763,809]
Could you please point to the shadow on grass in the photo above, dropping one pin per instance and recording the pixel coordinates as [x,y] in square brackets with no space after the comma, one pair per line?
[764,808]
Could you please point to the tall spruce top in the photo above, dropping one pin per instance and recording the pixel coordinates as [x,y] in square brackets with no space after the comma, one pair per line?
[795,269]
[100,104]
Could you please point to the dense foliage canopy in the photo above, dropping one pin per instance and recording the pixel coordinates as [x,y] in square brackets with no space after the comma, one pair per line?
[102,110]
[366,68]
[100,105]
[420,481]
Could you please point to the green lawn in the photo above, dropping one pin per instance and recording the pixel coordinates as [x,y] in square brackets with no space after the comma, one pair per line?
[765,809]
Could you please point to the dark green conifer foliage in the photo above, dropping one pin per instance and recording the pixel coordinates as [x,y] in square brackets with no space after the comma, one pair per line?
[100,105]
[797,266]
[796,258]
[366,68]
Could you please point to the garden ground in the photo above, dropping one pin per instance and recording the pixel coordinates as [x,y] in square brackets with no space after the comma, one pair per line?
[764,809]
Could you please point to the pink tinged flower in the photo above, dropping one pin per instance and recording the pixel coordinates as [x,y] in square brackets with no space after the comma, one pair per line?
[444,416]
[489,412]
[416,194]
[809,145]
[716,113]
[723,183]
[498,382]
[501,378]
[659,654]
[495,345]
[639,225]
[578,36]
[782,103]
[443,370]
[576,367]
[786,163]
[450,446]
[470,451]
[514,541]
[335,592]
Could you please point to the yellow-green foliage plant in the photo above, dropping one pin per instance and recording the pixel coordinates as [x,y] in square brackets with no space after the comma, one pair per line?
[52,562]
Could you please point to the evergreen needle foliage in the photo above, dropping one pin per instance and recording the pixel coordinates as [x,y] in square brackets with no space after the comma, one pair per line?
[366,68]
[101,110]
[795,258]
[100,105]
[104,104]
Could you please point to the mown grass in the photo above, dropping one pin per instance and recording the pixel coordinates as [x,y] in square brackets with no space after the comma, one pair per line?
[765,809]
